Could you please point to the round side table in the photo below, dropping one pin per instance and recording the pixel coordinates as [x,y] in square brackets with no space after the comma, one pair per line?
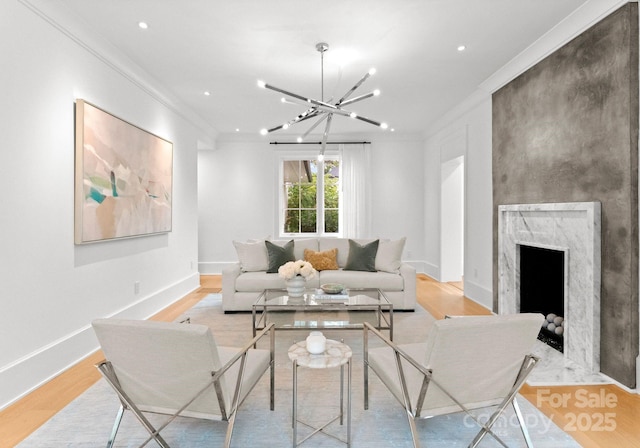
[336,354]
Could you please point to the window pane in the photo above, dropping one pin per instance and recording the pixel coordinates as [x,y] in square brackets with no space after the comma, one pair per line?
[308,196]
[331,221]
[292,221]
[293,195]
[308,221]
[331,197]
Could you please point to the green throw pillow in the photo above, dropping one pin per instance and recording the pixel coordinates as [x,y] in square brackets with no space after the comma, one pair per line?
[362,257]
[279,255]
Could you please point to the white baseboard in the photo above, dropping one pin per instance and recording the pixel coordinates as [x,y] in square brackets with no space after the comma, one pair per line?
[478,294]
[429,269]
[213,267]
[33,370]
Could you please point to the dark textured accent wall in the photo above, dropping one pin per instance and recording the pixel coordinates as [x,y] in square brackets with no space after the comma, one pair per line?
[567,131]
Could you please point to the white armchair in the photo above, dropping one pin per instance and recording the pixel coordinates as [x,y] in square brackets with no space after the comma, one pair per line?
[466,363]
[178,370]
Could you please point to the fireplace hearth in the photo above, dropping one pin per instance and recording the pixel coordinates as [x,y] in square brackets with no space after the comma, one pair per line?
[571,230]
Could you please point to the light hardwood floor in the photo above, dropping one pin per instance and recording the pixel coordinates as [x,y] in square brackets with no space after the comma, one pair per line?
[583,415]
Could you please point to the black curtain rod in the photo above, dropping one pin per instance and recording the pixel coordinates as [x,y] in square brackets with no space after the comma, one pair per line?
[319,143]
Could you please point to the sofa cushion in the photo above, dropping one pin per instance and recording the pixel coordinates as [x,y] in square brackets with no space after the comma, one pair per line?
[321,261]
[389,256]
[258,281]
[299,247]
[363,279]
[362,257]
[252,255]
[342,244]
[279,255]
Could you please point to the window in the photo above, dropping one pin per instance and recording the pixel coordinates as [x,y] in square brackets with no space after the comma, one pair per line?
[310,203]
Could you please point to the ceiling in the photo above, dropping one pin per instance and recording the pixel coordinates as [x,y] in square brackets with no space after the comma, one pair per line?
[224,47]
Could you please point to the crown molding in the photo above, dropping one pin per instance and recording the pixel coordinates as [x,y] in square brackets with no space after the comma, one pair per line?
[74,29]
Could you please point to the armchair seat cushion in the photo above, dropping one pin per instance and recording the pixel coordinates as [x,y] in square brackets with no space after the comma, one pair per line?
[380,359]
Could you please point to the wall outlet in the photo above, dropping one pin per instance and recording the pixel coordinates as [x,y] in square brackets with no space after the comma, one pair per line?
[409,254]
[475,273]
[136,288]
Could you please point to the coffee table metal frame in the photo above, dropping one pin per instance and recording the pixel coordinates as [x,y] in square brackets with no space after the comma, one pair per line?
[315,300]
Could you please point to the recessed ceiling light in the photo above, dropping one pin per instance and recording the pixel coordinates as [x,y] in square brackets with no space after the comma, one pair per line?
[207,93]
[237,129]
[143,25]
[461,47]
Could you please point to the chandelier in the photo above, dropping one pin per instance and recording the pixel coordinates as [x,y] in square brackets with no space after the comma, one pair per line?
[321,110]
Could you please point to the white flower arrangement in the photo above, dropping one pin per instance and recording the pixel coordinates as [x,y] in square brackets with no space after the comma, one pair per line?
[296,268]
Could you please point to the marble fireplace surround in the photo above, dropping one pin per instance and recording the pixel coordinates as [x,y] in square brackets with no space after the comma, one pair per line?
[571,227]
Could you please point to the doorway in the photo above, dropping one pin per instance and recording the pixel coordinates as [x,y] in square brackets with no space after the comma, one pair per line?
[452,221]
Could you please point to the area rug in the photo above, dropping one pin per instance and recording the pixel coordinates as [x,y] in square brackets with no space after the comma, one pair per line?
[87,421]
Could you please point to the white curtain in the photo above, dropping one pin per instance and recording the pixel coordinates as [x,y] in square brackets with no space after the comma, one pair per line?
[356,191]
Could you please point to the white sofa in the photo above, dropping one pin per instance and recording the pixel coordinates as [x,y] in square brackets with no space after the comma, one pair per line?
[243,281]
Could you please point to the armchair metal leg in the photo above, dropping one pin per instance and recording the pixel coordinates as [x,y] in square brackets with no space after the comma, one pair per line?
[523,426]
[227,438]
[272,342]
[116,425]
[365,345]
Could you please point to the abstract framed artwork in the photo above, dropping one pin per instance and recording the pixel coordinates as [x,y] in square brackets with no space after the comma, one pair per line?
[123,178]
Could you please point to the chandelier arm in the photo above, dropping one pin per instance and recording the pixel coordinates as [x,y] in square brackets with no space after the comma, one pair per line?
[353,89]
[312,111]
[325,135]
[356,99]
[277,128]
[315,125]
[322,105]
[297,119]
[313,115]
[330,108]
[285,92]
[368,120]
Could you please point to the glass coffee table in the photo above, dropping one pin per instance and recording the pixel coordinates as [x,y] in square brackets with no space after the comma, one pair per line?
[317,310]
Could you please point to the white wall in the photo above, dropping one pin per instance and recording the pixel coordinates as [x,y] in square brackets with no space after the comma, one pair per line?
[238,183]
[236,196]
[50,289]
[474,122]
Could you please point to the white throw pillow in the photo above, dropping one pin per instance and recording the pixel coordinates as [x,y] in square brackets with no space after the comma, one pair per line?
[389,256]
[252,255]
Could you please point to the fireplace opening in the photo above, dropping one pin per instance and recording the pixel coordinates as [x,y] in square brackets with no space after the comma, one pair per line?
[542,291]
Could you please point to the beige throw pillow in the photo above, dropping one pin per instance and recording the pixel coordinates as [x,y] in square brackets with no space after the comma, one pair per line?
[322,261]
